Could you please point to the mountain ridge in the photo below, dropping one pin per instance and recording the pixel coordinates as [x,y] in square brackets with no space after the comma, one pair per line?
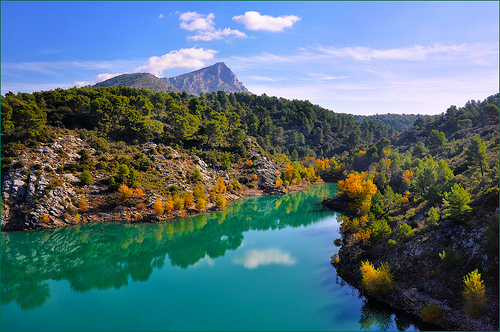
[205,80]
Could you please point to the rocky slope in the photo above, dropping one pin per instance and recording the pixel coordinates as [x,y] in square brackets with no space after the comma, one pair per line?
[213,78]
[41,191]
[421,277]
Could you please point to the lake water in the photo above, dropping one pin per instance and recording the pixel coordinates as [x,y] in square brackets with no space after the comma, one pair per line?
[263,264]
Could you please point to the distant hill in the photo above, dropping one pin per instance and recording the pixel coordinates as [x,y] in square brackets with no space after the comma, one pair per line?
[138,80]
[213,78]
[209,79]
[399,122]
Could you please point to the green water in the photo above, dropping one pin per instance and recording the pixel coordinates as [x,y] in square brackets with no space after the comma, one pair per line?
[263,264]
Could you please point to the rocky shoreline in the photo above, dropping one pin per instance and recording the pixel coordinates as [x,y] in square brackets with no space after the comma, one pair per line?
[419,278]
[39,193]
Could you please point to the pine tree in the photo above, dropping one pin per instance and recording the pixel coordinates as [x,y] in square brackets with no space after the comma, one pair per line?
[476,154]
[455,202]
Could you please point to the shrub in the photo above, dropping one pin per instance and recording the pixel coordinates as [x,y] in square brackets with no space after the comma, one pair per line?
[86,178]
[178,203]
[188,200]
[45,218]
[431,314]
[450,258]
[376,281]
[455,202]
[112,183]
[405,232]
[168,206]
[158,207]
[82,204]
[200,204]
[380,228]
[433,216]
[125,192]
[199,191]
[474,293]
[138,192]
[279,182]
[220,201]
[391,243]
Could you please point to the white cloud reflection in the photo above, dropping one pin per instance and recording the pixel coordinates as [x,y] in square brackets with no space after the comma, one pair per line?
[254,258]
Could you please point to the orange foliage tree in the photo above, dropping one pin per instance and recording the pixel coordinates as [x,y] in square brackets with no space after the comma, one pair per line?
[158,207]
[361,189]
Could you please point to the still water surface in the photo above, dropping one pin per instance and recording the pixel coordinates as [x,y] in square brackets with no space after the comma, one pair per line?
[263,264]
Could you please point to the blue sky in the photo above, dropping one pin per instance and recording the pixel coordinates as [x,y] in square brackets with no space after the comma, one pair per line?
[352,57]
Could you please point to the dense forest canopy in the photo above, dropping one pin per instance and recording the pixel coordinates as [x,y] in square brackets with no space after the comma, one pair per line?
[212,121]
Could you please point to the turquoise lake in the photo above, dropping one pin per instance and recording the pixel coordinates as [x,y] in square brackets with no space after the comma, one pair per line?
[262,264]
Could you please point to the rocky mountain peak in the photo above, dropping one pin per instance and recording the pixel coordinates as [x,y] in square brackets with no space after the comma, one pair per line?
[213,78]
[209,79]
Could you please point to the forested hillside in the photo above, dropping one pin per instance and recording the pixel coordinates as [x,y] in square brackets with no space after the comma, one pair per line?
[399,122]
[422,215]
[216,123]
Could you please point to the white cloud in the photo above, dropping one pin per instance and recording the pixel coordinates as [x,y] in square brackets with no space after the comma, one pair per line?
[263,78]
[255,21]
[415,53]
[254,258]
[192,21]
[219,34]
[205,26]
[161,16]
[183,58]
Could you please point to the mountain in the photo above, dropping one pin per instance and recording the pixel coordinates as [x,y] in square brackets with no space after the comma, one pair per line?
[138,80]
[209,79]
[213,78]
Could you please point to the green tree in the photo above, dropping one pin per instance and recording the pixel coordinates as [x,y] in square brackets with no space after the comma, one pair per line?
[123,172]
[455,202]
[133,178]
[476,154]
[86,178]
[437,139]
[474,293]
[433,216]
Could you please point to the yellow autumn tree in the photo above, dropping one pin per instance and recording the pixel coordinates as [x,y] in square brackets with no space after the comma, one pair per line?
[82,204]
[125,192]
[361,189]
[376,281]
[188,200]
[474,293]
[158,207]
[279,182]
[168,206]
[200,204]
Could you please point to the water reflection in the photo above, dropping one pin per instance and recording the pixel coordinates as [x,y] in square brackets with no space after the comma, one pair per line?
[380,316]
[89,258]
[254,258]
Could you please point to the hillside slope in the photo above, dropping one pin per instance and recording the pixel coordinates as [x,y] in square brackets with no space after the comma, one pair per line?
[432,217]
[138,80]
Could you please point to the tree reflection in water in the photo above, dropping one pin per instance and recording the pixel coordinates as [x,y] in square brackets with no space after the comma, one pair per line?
[89,258]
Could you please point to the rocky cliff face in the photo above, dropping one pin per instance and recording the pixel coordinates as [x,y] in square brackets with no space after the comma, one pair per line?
[214,78]
[41,191]
[421,277]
